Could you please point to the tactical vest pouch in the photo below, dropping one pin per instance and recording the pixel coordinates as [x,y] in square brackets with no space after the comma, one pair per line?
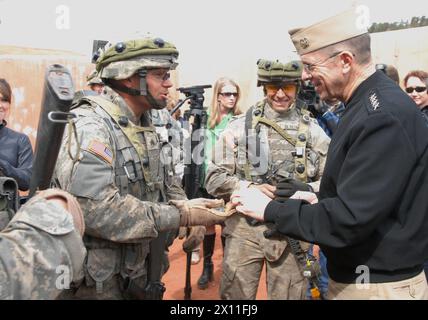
[5,214]
[101,266]
[134,258]
[133,270]
[153,161]
[9,200]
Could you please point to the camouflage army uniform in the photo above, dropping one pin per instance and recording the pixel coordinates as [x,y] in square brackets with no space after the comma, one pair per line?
[121,184]
[37,250]
[9,199]
[172,141]
[246,247]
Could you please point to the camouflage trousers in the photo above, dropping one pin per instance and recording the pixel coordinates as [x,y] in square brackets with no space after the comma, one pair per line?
[113,288]
[247,251]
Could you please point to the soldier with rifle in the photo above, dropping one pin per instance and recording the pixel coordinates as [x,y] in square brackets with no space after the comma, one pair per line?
[277,148]
[113,165]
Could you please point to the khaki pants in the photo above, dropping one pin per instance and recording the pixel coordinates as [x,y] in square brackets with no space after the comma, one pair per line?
[247,251]
[415,288]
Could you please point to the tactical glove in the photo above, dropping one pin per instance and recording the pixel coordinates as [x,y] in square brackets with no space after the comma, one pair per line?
[200,212]
[71,205]
[194,238]
[182,233]
[287,187]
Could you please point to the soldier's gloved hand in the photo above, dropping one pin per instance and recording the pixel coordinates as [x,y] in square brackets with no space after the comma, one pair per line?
[68,202]
[182,232]
[287,187]
[194,239]
[200,212]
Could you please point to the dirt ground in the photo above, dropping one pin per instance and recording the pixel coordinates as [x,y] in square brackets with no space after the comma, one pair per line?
[174,279]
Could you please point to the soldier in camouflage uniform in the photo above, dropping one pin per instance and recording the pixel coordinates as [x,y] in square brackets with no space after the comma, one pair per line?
[41,249]
[119,176]
[289,145]
[94,82]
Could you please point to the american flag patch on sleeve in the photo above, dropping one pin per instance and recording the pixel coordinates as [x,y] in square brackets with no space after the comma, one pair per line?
[101,151]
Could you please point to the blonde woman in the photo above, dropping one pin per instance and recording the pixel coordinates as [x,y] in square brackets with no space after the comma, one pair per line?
[224,105]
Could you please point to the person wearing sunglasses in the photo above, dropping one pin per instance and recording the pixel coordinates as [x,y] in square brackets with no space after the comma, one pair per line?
[416,83]
[16,156]
[274,147]
[224,105]
[370,216]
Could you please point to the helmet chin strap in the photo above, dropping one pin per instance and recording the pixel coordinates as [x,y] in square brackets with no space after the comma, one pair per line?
[143,91]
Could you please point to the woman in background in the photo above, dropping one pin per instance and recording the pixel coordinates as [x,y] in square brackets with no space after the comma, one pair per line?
[224,105]
[16,156]
[415,84]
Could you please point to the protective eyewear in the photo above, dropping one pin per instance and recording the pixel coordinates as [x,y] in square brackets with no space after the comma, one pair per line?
[161,76]
[229,94]
[311,67]
[287,88]
[417,89]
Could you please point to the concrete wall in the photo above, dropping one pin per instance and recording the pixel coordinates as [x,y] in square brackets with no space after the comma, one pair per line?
[24,69]
[404,49]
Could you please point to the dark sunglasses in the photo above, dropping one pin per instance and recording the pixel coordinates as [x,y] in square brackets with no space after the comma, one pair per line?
[229,94]
[418,89]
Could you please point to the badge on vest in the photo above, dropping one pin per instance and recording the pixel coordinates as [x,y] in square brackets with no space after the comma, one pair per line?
[101,151]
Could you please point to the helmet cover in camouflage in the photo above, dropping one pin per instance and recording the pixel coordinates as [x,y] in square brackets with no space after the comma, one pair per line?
[124,59]
[93,78]
[274,71]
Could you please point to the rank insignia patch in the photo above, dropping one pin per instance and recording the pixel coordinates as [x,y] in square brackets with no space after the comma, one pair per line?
[374,101]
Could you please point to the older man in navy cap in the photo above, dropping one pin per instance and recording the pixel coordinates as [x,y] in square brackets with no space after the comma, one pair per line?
[371,215]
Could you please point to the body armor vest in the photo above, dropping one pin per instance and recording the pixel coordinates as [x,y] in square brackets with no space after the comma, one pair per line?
[138,172]
[138,167]
[297,145]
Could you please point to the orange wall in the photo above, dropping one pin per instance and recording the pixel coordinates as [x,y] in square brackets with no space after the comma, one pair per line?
[25,69]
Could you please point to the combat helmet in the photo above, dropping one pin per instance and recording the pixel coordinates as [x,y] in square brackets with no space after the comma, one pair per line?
[124,59]
[269,71]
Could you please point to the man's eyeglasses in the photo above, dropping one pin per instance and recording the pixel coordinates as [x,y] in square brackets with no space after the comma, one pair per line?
[287,88]
[417,89]
[162,76]
[229,94]
[311,67]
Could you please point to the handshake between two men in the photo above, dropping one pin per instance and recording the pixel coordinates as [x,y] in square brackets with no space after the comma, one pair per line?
[248,199]
[252,200]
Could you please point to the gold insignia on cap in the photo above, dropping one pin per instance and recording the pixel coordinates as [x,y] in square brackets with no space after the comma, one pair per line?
[304,43]
[327,32]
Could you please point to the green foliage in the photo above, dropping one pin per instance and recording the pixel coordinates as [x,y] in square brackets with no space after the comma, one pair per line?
[415,22]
